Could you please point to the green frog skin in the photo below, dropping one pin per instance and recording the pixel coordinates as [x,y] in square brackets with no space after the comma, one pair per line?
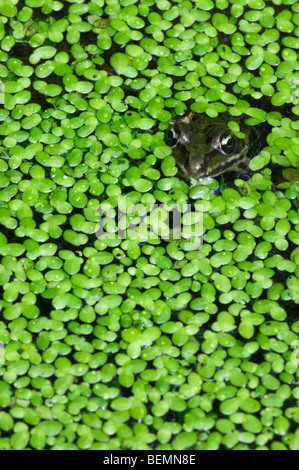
[204,146]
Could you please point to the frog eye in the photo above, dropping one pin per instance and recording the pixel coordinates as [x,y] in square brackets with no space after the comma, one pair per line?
[227,143]
[172,136]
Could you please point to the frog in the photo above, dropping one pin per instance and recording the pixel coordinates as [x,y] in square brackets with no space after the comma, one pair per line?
[206,147]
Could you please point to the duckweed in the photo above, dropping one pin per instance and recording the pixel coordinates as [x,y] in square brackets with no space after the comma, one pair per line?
[164,343]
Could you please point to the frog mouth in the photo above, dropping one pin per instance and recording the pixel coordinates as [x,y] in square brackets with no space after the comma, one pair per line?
[220,164]
[213,164]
